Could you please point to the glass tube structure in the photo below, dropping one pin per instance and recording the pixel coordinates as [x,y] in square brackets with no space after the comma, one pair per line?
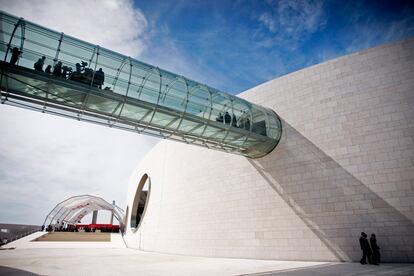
[45,70]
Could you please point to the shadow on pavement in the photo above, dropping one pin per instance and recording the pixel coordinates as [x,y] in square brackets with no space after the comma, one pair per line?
[10,271]
[347,269]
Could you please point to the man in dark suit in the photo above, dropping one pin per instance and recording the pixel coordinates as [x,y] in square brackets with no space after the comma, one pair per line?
[376,256]
[366,249]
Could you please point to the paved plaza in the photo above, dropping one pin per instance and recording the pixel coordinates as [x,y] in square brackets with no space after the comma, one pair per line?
[113,258]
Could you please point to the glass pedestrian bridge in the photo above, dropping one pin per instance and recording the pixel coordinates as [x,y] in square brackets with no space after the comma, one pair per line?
[55,73]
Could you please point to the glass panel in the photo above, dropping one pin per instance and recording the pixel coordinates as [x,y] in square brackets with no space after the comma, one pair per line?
[198,102]
[150,91]
[197,130]
[162,120]
[66,95]
[211,130]
[6,29]
[259,122]
[101,104]
[133,112]
[113,89]
[175,96]
[173,124]
[110,64]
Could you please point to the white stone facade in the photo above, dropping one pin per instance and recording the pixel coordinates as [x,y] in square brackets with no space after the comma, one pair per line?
[345,164]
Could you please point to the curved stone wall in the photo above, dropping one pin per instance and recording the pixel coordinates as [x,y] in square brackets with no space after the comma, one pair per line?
[345,164]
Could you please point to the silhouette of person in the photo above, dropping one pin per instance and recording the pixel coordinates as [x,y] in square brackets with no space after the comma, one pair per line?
[48,69]
[234,122]
[247,124]
[227,118]
[366,249]
[99,77]
[376,256]
[78,68]
[219,118]
[15,55]
[57,70]
[38,66]
[66,70]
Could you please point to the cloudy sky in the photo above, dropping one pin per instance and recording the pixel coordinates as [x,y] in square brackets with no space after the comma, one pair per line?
[230,45]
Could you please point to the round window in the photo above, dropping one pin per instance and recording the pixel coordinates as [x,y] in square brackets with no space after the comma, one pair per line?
[140,201]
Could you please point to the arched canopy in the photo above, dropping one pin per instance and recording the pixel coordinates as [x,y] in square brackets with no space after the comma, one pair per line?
[73,209]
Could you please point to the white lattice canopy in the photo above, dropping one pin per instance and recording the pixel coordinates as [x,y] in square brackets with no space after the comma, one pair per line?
[73,209]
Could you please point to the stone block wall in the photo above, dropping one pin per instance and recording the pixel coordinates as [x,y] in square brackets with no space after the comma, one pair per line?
[345,164]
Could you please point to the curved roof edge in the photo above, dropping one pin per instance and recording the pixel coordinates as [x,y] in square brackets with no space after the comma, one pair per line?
[73,209]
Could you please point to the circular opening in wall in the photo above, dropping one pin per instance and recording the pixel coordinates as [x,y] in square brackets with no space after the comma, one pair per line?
[140,202]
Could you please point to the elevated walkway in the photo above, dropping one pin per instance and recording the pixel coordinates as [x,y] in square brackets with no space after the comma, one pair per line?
[125,93]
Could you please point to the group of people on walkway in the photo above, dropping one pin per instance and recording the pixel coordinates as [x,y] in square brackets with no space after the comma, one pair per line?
[370,249]
[81,74]
[58,70]
[228,119]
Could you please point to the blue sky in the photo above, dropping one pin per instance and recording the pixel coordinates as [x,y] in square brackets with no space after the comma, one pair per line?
[229,45]
[235,45]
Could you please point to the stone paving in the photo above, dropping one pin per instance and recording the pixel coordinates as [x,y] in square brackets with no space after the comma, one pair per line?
[90,258]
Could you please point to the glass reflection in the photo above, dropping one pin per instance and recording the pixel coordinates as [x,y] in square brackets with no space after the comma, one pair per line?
[70,77]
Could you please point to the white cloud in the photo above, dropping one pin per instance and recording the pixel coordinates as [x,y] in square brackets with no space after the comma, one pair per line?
[267,20]
[113,24]
[370,33]
[300,16]
[45,159]
[294,19]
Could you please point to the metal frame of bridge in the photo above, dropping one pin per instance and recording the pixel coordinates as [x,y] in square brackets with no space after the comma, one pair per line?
[138,97]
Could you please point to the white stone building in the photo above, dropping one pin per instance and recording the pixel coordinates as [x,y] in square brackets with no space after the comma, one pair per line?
[345,164]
